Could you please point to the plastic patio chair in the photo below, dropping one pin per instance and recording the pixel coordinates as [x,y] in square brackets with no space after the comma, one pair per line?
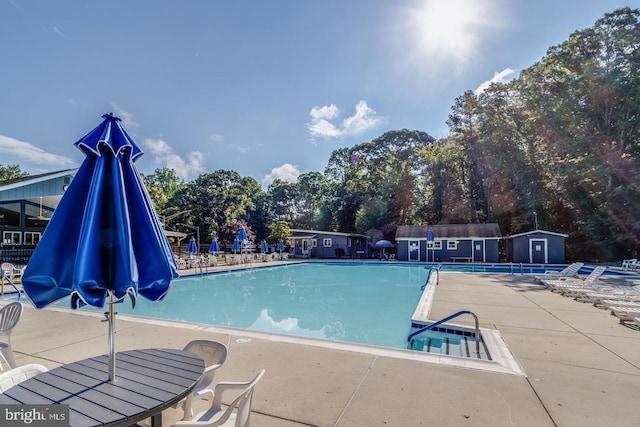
[9,316]
[216,416]
[16,375]
[214,354]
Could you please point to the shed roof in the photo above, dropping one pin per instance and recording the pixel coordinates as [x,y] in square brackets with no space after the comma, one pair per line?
[443,231]
[536,232]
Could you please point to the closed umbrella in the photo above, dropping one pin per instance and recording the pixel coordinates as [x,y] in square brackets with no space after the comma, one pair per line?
[263,247]
[430,243]
[236,245]
[104,241]
[214,248]
[280,247]
[192,248]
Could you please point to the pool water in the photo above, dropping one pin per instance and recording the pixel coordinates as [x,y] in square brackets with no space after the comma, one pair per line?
[358,303]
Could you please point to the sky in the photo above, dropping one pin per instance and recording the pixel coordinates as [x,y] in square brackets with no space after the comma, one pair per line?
[268,89]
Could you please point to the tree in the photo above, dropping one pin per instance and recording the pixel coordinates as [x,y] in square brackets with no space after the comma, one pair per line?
[11,172]
[279,230]
[161,186]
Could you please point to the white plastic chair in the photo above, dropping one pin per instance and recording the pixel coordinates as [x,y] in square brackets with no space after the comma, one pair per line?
[214,354]
[235,415]
[9,316]
[17,375]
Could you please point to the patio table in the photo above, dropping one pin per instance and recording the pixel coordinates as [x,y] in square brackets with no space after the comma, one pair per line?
[147,382]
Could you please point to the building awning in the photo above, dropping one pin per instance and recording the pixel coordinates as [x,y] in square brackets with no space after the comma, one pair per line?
[310,236]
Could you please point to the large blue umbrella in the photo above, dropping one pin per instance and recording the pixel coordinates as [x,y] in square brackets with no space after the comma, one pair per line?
[104,240]
[263,246]
[214,248]
[236,245]
[192,248]
[280,247]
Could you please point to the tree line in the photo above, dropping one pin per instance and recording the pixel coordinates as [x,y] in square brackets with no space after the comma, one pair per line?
[555,148]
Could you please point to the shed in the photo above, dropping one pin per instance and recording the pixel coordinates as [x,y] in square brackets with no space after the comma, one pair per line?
[536,247]
[451,243]
[328,244]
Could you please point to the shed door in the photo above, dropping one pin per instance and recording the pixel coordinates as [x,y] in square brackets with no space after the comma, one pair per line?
[478,251]
[538,251]
[414,250]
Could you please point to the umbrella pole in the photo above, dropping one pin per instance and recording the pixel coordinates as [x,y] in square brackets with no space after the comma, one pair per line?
[112,344]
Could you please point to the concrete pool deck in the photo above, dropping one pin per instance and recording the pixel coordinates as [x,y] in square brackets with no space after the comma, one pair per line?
[582,366]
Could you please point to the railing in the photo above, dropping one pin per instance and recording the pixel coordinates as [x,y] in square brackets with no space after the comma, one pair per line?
[437,269]
[12,284]
[446,319]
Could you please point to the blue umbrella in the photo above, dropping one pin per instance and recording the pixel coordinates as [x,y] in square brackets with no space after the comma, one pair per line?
[242,234]
[384,244]
[104,240]
[430,243]
[214,248]
[192,248]
[236,245]
[280,247]
[263,247]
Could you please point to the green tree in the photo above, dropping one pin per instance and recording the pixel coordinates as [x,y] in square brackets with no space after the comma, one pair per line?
[11,172]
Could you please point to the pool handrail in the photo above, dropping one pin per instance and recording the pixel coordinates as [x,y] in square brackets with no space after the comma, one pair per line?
[437,269]
[12,284]
[446,319]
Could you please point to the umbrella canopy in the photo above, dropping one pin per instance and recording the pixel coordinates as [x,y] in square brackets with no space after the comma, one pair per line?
[242,234]
[236,245]
[384,244]
[430,235]
[192,248]
[263,246]
[104,239]
[214,248]
[280,247]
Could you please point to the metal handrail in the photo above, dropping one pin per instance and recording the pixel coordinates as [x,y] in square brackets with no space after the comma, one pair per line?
[446,319]
[437,269]
[12,284]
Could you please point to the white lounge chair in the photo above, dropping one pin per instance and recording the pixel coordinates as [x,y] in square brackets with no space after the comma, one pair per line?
[9,317]
[629,264]
[16,375]
[214,354]
[569,271]
[235,415]
[625,314]
[567,286]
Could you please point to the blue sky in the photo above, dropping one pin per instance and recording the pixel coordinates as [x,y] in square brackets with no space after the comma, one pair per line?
[266,88]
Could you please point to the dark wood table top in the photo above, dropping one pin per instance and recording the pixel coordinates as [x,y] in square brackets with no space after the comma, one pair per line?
[146,383]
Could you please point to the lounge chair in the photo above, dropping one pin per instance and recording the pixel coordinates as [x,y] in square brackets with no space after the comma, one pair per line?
[569,271]
[625,314]
[637,321]
[16,375]
[9,317]
[214,354]
[620,293]
[216,416]
[568,285]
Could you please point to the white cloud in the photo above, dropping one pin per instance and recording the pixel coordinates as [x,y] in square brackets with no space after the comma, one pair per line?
[163,155]
[287,172]
[321,125]
[58,30]
[126,118]
[24,151]
[498,77]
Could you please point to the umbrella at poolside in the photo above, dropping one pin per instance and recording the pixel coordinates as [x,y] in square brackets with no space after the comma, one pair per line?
[192,248]
[214,248]
[384,244]
[236,245]
[280,247]
[263,247]
[242,234]
[430,243]
[104,241]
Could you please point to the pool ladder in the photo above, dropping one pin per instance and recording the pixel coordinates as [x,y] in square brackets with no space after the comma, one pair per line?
[446,319]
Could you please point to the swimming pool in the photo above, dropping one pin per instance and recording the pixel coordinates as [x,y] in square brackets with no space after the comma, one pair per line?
[358,303]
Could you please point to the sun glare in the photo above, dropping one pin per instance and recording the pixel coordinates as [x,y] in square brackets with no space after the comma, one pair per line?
[448,29]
